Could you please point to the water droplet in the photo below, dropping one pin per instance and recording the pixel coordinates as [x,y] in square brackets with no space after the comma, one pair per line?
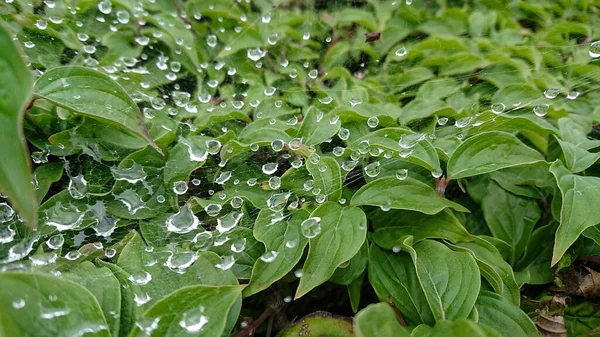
[573,95]
[277,201]
[6,212]
[213,209]
[179,262]
[386,205]
[269,168]
[203,241]
[77,187]
[41,24]
[311,227]
[18,304]
[595,49]
[270,91]
[326,100]
[238,246]
[123,16]
[141,299]
[372,170]
[373,122]
[437,173]
[298,273]
[313,73]
[295,144]
[498,108]
[256,54]
[408,141]
[463,122]
[211,40]
[442,121]
[193,320]
[140,278]
[132,175]
[106,226]
[551,93]
[183,221]
[274,182]
[228,221]
[131,200]
[401,51]
[269,256]
[226,262]
[105,6]
[354,101]
[180,187]
[401,174]
[541,110]
[223,177]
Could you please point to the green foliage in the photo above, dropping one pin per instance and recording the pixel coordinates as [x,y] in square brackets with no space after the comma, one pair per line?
[221,168]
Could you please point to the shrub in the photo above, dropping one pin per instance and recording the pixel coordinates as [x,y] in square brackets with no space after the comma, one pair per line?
[217,168]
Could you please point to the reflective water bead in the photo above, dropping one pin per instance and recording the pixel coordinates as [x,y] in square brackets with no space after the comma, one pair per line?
[541,110]
[595,49]
[372,170]
[269,168]
[311,227]
[180,187]
[401,174]
[373,122]
[551,93]
[228,221]
[498,108]
[193,320]
[401,51]
[269,256]
[184,221]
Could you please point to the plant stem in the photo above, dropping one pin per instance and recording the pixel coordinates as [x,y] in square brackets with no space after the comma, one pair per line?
[251,327]
[398,314]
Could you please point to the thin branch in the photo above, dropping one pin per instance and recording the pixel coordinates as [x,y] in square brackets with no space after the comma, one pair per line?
[398,314]
[251,327]
[180,12]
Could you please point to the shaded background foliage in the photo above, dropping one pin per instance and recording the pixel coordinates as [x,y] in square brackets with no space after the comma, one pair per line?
[436,156]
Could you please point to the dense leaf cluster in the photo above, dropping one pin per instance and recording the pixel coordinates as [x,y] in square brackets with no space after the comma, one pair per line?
[216,168]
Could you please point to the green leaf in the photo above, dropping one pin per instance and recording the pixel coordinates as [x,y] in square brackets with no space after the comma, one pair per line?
[393,277]
[488,152]
[74,309]
[493,268]
[378,320]
[104,286]
[408,194]
[320,323]
[396,225]
[579,211]
[316,127]
[135,260]
[425,107]
[510,218]
[450,280]
[352,269]
[343,230]
[577,159]
[327,177]
[129,308]
[282,236]
[458,328]
[518,95]
[46,175]
[502,315]
[15,94]
[186,156]
[91,93]
[199,309]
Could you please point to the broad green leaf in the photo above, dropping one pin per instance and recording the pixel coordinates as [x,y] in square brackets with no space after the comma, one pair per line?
[579,211]
[283,236]
[320,323]
[105,288]
[46,175]
[353,15]
[342,232]
[494,269]
[199,310]
[135,260]
[187,155]
[450,280]
[518,95]
[534,267]
[460,63]
[423,108]
[510,218]
[422,152]
[129,309]
[488,152]
[399,224]
[378,320]
[316,127]
[27,308]
[439,88]
[354,291]
[351,270]
[15,94]
[458,328]
[502,315]
[91,93]
[577,159]
[407,194]
[394,278]
[247,258]
[327,177]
